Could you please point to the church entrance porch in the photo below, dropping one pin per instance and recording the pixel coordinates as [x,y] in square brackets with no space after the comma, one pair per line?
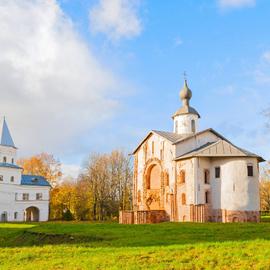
[31,214]
[153,186]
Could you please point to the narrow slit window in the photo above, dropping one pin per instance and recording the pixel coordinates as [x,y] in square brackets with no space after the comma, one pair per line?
[206,176]
[183,199]
[217,172]
[250,170]
[207,197]
[193,126]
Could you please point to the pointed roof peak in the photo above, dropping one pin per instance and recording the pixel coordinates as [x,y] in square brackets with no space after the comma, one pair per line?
[5,137]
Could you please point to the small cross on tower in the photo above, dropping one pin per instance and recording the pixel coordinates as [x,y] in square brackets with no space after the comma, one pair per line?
[185,75]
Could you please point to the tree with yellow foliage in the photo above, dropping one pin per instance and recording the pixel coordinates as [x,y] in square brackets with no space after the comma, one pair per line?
[265,188]
[43,164]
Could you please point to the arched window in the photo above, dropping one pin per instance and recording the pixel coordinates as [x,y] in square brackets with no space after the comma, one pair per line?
[12,160]
[15,215]
[4,159]
[153,148]
[153,178]
[12,179]
[182,177]
[206,176]
[183,198]
[193,126]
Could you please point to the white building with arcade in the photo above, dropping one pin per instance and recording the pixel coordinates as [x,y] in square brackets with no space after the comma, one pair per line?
[22,197]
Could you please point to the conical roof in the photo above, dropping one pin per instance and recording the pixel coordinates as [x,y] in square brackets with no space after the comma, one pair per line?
[5,137]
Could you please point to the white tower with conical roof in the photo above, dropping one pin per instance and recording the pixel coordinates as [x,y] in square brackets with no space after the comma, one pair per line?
[22,197]
[186,118]
[8,150]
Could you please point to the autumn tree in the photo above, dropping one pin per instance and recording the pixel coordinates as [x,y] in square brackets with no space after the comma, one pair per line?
[63,199]
[265,188]
[104,187]
[43,164]
[109,178]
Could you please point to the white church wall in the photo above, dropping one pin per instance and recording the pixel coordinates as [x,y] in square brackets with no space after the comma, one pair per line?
[7,173]
[235,190]
[202,187]
[182,124]
[11,201]
[9,153]
[195,142]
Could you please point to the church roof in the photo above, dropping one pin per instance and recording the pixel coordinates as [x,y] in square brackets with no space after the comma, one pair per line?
[34,180]
[220,148]
[5,137]
[201,132]
[170,136]
[9,165]
[175,138]
[186,110]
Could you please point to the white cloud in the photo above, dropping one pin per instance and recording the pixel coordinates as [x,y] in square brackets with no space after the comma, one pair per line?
[116,18]
[178,42]
[266,56]
[52,87]
[262,69]
[70,171]
[236,3]
[262,76]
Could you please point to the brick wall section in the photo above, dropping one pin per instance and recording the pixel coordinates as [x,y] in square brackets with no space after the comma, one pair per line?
[126,217]
[142,217]
[198,213]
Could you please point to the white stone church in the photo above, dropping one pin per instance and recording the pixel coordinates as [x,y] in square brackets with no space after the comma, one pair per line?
[191,175]
[22,197]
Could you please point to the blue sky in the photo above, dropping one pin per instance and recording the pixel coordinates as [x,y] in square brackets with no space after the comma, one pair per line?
[142,49]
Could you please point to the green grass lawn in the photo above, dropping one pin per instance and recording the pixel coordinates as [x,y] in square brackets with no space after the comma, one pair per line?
[56,245]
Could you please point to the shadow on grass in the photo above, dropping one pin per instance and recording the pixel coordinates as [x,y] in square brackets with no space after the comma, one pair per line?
[116,235]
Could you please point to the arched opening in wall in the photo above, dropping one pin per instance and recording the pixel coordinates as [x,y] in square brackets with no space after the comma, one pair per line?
[184,218]
[182,177]
[206,176]
[4,217]
[183,199]
[31,214]
[153,178]
[235,219]
[139,196]
[166,179]
[5,159]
